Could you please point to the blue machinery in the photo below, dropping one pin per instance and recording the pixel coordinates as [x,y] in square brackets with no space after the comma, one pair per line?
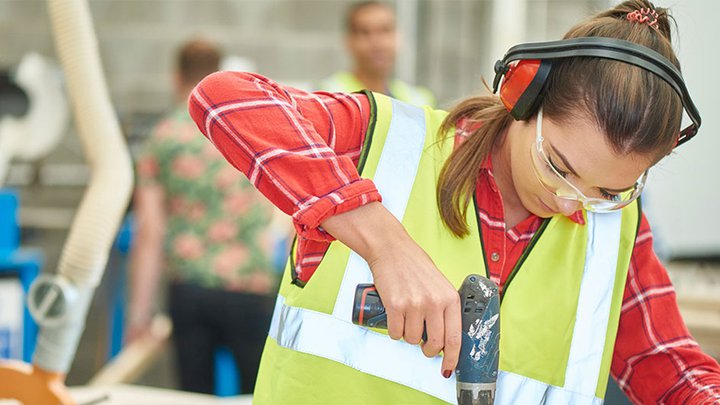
[17,266]
[20,266]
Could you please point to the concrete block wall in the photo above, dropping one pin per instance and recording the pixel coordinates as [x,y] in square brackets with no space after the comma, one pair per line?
[294,41]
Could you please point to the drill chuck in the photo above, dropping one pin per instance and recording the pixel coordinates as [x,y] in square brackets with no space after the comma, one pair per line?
[475,393]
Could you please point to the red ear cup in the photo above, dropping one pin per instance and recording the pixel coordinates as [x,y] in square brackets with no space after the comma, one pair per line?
[522,85]
[516,81]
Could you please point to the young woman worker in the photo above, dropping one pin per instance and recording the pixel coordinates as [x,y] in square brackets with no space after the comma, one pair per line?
[538,191]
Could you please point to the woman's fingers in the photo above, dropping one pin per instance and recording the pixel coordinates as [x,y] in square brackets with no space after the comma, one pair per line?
[414,324]
[453,336]
[395,323]
[412,288]
[440,318]
[435,324]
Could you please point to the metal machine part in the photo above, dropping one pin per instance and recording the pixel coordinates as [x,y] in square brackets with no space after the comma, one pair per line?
[34,114]
[50,298]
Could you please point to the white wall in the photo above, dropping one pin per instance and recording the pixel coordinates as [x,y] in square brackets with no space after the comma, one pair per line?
[683,193]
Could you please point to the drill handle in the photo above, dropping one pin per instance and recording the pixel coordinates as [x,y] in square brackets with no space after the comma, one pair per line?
[368,309]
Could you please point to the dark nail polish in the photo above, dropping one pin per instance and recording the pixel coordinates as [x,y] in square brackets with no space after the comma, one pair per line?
[447,373]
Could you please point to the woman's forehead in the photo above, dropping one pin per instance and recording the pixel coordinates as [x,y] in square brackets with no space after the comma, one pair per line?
[587,148]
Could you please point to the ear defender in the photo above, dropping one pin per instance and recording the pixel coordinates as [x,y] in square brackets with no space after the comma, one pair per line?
[522,85]
[525,68]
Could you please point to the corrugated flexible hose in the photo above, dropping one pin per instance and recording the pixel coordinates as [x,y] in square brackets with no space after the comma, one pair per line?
[86,250]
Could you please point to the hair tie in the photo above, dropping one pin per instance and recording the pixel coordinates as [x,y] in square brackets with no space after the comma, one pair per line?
[644,16]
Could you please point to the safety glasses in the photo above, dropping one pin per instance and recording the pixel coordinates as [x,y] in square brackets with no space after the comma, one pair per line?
[555,181]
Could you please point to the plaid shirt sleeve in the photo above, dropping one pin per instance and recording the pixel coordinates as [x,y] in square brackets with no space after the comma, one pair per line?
[656,360]
[299,149]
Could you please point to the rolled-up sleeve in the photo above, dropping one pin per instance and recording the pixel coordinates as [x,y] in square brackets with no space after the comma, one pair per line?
[299,149]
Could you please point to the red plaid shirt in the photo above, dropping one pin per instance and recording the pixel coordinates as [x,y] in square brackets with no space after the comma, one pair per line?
[301,149]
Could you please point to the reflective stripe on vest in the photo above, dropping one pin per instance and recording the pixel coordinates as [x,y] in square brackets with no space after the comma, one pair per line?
[394,178]
[334,337]
[593,311]
[517,389]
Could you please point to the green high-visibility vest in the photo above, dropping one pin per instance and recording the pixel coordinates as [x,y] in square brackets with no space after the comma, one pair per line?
[559,314]
[346,82]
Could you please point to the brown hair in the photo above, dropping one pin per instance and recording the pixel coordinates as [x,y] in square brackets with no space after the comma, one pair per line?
[355,8]
[197,59]
[638,111]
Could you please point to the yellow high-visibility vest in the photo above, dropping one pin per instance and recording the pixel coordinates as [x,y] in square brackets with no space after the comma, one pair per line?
[346,82]
[559,313]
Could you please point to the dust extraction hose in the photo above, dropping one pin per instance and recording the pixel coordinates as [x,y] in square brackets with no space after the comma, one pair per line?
[86,250]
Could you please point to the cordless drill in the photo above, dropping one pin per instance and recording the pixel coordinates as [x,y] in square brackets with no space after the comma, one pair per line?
[477,367]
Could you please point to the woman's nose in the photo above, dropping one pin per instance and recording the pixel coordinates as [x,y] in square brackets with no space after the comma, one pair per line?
[567,207]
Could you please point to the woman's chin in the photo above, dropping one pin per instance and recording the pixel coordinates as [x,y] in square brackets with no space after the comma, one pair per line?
[543,210]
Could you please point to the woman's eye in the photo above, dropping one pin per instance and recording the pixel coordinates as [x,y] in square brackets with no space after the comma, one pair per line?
[562,173]
[609,196]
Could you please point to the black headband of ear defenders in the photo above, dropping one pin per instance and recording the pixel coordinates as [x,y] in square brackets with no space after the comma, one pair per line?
[608,48]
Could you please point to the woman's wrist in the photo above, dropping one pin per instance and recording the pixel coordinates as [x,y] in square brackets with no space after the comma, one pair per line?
[369,230]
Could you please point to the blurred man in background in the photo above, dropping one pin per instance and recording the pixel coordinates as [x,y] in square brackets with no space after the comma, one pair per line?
[201,220]
[371,39]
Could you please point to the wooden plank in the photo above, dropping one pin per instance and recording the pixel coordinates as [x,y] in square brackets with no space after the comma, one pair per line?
[134,359]
[136,395]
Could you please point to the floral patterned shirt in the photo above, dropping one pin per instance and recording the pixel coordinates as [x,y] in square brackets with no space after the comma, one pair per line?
[218,233]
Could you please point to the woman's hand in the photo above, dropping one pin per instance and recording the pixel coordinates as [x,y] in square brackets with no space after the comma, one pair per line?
[415,293]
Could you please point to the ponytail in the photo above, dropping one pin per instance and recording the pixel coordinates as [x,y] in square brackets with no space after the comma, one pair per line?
[488,119]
